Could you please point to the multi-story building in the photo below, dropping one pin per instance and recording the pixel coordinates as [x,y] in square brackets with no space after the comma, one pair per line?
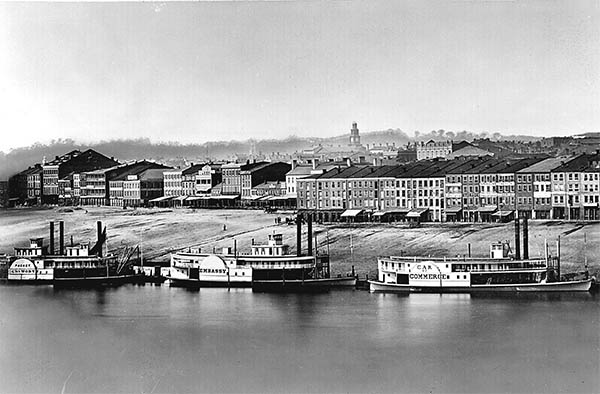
[574,188]
[65,190]
[433,149]
[269,188]
[115,190]
[34,185]
[139,189]
[50,182]
[26,186]
[188,179]
[468,189]
[411,191]
[232,182]
[173,183]
[208,176]
[95,191]
[298,171]
[63,166]
[96,185]
[497,188]
[463,190]
[448,150]
[534,188]
[76,187]
[254,174]
[17,187]
[423,184]
[3,193]
[590,191]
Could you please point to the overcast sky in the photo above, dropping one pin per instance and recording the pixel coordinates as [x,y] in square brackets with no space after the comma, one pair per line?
[195,72]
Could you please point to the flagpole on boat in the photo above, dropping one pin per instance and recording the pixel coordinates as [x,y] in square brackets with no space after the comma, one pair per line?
[585,261]
[351,250]
[558,256]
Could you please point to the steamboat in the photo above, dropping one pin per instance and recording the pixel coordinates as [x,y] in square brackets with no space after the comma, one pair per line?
[74,265]
[269,267]
[501,272]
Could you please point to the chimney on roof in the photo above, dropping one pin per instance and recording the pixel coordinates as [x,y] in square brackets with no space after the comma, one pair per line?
[294,163]
[348,162]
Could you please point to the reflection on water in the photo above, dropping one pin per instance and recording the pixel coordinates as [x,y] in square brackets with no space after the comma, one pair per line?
[161,339]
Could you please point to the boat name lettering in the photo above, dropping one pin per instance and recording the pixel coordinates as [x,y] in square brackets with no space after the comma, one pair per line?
[212,271]
[428,276]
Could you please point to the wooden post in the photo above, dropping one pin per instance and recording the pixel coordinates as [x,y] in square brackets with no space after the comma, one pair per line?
[517,240]
[299,235]
[525,239]
[51,238]
[558,257]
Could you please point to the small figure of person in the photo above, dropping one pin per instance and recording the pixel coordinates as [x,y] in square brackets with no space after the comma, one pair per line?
[224,227]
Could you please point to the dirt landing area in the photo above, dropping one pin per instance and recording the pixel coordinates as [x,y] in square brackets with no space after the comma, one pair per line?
[161,231]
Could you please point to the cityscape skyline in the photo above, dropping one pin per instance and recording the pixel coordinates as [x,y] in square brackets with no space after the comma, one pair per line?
[199,72]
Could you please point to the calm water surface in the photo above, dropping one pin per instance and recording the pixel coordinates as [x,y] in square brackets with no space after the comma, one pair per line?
[160,339]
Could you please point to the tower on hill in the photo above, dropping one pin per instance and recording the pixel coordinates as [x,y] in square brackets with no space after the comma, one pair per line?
[354,137]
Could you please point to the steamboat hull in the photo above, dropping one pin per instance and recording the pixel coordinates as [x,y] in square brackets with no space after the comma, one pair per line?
[291,286]
[95,282]
[569,286]
[302,286]
[197,283]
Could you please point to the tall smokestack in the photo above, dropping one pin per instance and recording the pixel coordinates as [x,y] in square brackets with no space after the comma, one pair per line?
[51,238]
[525,239]
[517,240]
[299,235]
[61,238]
[100,241]
[310,235]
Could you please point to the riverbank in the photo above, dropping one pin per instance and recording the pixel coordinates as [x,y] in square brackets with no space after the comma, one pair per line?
[161,231]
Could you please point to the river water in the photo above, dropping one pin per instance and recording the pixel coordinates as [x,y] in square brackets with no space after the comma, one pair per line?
[160,339]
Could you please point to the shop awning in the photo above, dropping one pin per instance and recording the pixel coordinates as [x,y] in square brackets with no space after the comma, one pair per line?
[453,210]
[399,211]
[416,213]
[503,213]
[226,197]
[194,198]
[350,213]
[163,198]
[487,209]
[180,198]
[287,197]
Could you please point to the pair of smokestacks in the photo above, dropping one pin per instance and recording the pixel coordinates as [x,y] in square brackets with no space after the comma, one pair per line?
[518,240]
[61,238]
[299,235]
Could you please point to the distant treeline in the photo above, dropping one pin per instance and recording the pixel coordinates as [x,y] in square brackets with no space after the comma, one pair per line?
[131,149]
